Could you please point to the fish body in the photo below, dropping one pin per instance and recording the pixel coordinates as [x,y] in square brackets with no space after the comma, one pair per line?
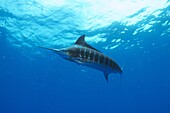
[84,54]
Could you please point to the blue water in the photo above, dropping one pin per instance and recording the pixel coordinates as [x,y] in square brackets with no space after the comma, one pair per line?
[135,33]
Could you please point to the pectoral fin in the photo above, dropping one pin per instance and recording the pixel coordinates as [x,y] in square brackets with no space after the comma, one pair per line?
[78,61]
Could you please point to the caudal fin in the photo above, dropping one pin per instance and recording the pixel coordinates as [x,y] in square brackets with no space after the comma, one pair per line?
[120,84]
[121,76]
[106,76]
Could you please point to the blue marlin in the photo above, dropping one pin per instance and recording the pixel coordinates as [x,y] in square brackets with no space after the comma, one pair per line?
[84,54]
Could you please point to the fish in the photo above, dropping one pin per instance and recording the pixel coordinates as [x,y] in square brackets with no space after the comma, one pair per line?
[84,54]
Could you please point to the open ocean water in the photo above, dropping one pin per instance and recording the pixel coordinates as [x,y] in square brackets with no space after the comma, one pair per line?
[135,33]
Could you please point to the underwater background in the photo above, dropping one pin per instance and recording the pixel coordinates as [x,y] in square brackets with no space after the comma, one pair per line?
[135,33]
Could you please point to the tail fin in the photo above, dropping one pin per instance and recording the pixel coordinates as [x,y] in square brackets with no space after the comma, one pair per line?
[121,77]
[120,82]
[106,76]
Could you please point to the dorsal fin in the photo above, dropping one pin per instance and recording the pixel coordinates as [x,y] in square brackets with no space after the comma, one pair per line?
[82,42]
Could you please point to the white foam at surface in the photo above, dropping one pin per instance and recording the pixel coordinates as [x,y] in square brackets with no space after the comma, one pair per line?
[61,22]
